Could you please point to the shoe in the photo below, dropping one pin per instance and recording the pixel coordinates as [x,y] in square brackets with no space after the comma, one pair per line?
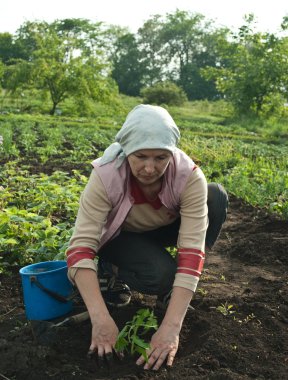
[114,291]
[162,302]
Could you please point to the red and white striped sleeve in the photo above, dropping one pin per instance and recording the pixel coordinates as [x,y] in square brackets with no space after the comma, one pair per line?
[189,267]
[192,232]
[80,257]
[79,253]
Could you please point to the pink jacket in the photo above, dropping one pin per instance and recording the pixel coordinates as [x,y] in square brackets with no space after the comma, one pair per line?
[116,183]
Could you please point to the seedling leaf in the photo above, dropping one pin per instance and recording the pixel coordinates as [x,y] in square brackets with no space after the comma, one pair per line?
[128,338]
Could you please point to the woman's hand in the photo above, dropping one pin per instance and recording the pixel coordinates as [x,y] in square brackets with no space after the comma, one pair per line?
[104,329]
[164,343]
[163,346]
[104,336]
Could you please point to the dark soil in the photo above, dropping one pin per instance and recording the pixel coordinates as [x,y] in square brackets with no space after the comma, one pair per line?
[247,269]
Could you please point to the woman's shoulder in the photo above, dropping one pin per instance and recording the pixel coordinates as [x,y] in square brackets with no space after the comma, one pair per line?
[196,178]
[182,159]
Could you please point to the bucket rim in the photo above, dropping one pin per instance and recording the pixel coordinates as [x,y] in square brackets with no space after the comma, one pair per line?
[25,270]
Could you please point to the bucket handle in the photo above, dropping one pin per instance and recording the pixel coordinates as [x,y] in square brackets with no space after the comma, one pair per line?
[58,297]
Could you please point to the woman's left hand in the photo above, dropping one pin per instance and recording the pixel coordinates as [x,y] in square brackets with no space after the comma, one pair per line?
[163,345]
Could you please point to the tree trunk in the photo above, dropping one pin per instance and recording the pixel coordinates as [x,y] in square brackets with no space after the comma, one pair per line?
[53,109]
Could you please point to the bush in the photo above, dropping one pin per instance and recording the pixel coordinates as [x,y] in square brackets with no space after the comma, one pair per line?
[164,93]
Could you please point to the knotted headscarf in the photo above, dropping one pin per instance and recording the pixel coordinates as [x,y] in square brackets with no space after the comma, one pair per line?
[146,127]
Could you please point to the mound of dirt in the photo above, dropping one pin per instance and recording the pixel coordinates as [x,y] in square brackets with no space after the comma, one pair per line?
[246,338]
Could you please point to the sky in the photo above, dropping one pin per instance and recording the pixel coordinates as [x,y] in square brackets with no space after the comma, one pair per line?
[133,13]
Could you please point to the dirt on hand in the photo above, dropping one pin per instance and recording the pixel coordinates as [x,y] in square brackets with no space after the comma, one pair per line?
[238,330]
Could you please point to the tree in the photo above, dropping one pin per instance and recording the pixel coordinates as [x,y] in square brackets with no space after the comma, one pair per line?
[153,50]
[182,34]
[128,66]
[1,72]
[6,47]
[191,80]
[63,62]
[179,45]
[255,79]
[10,49]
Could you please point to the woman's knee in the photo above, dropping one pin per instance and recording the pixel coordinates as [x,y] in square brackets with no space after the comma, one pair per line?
[163,278]
[154,277]
[217,201]
[217,211]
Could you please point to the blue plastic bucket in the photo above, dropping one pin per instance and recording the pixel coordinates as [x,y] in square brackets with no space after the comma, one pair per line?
[46,290]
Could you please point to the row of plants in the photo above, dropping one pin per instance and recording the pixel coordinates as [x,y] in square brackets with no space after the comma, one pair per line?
[254,171]
[37,213]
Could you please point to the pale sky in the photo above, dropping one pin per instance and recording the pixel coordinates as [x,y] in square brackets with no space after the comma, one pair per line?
[133,13]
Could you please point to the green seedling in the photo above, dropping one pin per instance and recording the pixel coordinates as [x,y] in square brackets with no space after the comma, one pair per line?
[225,309]
[202,291]
[129,338]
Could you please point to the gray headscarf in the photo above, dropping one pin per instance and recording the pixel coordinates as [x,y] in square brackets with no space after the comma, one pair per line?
[146,127]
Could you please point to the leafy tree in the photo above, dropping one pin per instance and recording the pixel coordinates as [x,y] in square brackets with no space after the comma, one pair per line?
[195,86]
[63,61]
[255,79]
[128,66]
[28,37]
[182,34]
[182,43]
[153,50]
[191,80]
[6,47]
[9,48]
[1,70]
[17,75]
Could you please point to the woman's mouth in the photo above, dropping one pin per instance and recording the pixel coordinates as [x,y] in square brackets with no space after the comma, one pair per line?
[147,177]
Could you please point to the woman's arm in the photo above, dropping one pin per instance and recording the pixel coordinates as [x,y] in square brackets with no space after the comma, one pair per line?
[92,215]
[164,343]
[192,232]
[104,329]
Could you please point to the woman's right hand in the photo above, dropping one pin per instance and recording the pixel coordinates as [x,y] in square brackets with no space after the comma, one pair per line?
[104,330]
[104,335]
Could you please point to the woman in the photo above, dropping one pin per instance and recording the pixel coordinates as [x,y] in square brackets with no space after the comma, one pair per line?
[144,194]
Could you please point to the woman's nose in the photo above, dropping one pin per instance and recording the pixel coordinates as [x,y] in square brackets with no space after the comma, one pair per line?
[149,166]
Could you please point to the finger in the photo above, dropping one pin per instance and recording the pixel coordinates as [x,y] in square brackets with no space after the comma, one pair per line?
[153,358]
[108,349]
[158,364]
[141,360]
[101,350]
[170,359]
[162,358]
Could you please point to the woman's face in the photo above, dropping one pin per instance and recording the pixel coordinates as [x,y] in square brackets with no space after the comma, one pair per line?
[148,165]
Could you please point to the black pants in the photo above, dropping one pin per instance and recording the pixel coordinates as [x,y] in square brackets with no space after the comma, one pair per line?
[142,260]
